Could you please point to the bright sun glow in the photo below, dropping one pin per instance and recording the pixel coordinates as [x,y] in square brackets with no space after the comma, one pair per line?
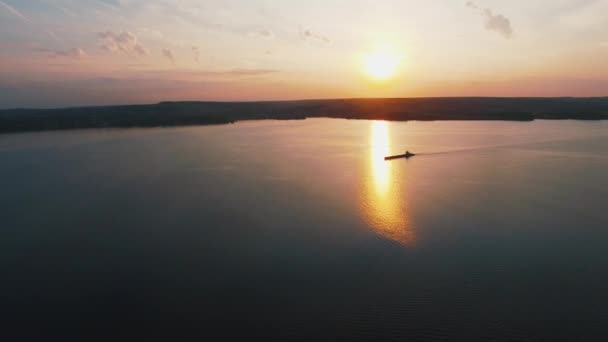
[381,66]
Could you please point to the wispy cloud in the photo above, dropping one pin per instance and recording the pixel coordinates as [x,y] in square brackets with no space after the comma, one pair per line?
[169,55]
[151,33]
[197,54]
[226,19]
[63,9]
[115,3]
[124,41]
[309,35]
[15,12]
[75,53]
[213,74]
[260,32]
[25,19]
[493,22]
[248,72]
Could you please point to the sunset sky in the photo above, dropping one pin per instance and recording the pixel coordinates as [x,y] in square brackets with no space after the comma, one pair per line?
[91,52]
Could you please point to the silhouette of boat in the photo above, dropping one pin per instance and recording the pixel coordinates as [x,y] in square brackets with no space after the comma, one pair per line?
[406,155]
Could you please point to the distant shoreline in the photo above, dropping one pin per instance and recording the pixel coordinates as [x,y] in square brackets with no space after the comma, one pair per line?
[392,109]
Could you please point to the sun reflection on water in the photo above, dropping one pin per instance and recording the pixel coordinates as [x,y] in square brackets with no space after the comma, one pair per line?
[382,204]
[380,146]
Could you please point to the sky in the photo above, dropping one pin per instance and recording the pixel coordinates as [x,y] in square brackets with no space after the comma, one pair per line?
[56,53]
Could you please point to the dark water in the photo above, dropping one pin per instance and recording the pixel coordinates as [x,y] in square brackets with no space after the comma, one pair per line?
[300,230]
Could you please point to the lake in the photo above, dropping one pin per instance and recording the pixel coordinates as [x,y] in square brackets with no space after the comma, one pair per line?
[301,230]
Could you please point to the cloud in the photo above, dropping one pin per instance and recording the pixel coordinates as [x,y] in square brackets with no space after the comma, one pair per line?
[116,3]
[15,12]
[124,41]
[169,55]
[493,22]
[249,72]
[260,32]
[64,10]
[151,33]
[76,53]
[211,74]
[25,19]
[312,36]
[219,18]
[197,53]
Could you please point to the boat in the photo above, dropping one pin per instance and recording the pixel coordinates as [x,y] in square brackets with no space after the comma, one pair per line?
[406,155]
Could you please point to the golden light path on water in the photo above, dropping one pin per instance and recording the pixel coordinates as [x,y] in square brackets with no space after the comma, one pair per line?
[382,203]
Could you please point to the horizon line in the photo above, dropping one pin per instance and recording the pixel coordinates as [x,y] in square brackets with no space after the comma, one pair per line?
[302,100]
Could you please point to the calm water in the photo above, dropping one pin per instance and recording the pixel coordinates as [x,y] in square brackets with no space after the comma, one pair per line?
[300,229]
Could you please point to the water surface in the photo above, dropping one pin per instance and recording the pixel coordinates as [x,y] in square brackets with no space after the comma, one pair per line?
[300,229]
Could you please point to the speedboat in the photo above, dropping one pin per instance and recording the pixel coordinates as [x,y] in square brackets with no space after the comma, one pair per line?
[407,155]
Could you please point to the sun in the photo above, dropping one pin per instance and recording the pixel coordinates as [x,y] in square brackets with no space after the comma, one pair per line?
[381,66]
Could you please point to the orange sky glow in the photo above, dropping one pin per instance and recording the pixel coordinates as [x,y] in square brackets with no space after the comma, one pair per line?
[133,51]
